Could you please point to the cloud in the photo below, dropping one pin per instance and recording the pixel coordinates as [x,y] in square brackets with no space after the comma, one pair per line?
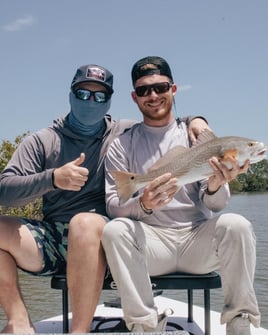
[185,88]
[19,23]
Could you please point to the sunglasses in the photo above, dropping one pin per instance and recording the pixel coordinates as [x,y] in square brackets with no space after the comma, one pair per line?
[143,91]
[98,96]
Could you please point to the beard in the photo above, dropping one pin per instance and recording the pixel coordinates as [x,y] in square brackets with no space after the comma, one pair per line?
[158,113]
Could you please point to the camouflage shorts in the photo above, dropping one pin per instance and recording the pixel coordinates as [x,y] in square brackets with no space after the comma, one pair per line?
[51,239]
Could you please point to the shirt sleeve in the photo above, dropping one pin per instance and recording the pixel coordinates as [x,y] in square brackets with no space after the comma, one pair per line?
[187,119]
[24,178]
[216,201]
[116,160]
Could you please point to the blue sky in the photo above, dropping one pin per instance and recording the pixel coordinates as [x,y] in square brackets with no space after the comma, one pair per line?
[218,51]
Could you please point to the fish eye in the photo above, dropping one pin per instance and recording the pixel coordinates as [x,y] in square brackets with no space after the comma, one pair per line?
[251,144]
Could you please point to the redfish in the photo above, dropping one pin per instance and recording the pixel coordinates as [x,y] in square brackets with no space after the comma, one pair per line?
[189,165]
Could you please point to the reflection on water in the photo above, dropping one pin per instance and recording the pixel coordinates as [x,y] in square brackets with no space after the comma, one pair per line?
[44,302]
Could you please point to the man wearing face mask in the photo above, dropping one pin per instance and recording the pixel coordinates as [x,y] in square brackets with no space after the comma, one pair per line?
[63,164]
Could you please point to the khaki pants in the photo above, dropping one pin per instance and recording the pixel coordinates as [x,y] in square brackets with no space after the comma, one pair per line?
[135,251]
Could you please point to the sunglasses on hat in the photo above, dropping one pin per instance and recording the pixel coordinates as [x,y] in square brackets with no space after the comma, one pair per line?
[98,96]
[145,90]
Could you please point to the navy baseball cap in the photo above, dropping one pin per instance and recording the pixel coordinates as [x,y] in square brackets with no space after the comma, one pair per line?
[150,65]
[94,73]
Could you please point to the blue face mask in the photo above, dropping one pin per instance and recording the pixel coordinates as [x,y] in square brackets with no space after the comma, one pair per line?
[88,112]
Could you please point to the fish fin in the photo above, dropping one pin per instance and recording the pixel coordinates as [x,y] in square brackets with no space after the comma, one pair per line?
[168,157]
[205,136]
[231,153]
[125,184]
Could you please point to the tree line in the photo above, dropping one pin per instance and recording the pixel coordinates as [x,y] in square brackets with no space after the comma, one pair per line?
[255,180]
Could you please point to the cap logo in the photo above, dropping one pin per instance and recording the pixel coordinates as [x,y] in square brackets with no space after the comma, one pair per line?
[148,67]
[95,73]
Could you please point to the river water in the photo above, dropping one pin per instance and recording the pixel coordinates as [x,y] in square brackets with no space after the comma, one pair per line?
[43,302]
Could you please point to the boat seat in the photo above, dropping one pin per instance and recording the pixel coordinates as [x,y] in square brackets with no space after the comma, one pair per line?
[171,281]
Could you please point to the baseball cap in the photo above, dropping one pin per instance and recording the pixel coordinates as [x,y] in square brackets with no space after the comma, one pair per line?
[150,65]
[94,73]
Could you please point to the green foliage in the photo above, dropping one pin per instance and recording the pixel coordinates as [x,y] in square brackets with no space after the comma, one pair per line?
[255,180]
[32,209]
[7,148]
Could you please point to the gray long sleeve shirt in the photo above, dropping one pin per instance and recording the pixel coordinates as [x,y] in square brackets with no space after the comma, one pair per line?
[28,175]
[137,150]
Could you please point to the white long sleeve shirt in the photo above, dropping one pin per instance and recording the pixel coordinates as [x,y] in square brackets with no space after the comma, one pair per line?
[137,150]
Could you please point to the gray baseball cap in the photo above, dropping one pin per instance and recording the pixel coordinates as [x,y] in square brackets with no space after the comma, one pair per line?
[94,73]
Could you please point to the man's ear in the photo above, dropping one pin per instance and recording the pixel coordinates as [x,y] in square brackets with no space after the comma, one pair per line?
[134,96]
[174,89]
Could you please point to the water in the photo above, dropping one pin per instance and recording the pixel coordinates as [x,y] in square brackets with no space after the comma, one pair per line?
[43,302]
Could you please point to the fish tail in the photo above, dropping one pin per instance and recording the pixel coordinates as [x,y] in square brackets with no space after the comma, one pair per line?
[125,183]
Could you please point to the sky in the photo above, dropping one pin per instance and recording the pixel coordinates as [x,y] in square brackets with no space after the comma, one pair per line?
[217,49]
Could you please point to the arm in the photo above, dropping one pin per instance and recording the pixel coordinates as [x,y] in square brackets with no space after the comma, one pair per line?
[33,171]
[215,201]
[215,190]
[116,160]
[23,179]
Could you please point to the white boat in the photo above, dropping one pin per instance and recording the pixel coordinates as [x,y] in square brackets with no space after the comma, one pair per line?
[54,325]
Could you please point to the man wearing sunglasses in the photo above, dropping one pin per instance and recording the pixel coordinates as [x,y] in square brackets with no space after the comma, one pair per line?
[63,164]
[163,229]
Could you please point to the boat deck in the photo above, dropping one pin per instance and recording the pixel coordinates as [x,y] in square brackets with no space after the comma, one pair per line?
[54,325]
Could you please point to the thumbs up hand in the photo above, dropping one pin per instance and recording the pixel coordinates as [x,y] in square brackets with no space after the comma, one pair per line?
[71,176]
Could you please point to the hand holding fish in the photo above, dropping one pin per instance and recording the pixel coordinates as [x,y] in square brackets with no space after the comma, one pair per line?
[223,174]
[159,192]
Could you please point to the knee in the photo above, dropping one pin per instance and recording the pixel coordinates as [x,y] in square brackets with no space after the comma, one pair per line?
[115,230]
[235,225]
[86,226]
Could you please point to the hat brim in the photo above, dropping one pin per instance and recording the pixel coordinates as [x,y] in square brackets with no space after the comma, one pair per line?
[110,90]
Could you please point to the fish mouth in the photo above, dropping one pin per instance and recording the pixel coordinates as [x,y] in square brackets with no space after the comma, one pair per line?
[263,151]
[258,156]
